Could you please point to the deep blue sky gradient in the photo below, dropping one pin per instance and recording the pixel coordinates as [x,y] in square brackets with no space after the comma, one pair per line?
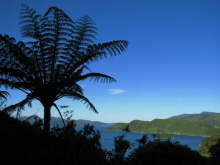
[171,66]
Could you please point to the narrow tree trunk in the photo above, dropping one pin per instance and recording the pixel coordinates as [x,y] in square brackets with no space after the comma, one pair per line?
[47,119]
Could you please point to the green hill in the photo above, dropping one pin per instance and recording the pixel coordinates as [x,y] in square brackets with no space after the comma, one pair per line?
[207,118]
[167,126]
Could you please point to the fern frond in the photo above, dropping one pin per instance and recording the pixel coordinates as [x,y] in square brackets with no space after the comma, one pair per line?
[19,106]
[84,35]
[69,88]
[4,94]
[83,99]
[12,73]
[99,77]
[30,22]
[99,51]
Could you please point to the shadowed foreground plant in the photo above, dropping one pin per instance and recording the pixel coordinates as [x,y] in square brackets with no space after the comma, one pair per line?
[49,66]
[23,143]
[164,152]
[121,146]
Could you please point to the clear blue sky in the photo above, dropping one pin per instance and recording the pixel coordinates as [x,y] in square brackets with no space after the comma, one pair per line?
[171,66]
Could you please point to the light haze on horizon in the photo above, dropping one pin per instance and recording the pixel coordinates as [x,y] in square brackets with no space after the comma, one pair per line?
[171,66]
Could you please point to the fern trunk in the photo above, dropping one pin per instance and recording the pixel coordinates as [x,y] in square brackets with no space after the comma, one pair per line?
[47,117]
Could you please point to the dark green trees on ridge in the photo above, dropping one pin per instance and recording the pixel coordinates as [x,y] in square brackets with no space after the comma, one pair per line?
[55,59]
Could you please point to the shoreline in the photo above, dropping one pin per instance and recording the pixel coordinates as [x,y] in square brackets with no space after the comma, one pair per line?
[169,134]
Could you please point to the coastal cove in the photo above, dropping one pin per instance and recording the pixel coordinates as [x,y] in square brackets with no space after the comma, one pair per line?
[181,128]
[107,139]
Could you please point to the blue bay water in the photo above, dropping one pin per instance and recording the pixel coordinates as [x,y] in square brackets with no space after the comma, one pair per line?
[107,139]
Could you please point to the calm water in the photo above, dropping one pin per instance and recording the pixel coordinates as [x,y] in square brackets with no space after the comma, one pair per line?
[107,139]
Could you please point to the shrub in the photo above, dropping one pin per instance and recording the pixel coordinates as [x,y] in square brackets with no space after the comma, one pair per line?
[23,143]
[164,152]
[207,144]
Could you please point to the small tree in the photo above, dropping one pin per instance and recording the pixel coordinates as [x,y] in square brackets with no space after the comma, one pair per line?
[121,146]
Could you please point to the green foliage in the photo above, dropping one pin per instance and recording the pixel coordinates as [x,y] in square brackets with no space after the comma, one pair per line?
[207,118]
[167,126]
[162,137]
[208,144]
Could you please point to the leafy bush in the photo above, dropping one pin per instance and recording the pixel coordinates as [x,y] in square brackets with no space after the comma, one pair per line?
[207,144]
[164,152]
[22,143]
[121,146]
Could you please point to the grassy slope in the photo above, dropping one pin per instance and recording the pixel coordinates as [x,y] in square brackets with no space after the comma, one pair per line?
[211,119]
[168,126]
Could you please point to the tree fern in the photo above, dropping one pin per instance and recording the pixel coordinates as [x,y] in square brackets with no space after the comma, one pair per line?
[49,66]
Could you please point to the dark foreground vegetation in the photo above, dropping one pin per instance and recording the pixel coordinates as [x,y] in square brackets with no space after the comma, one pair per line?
[48,68]
[22,143]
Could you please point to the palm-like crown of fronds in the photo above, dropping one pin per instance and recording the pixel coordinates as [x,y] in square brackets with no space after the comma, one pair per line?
[49,66]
